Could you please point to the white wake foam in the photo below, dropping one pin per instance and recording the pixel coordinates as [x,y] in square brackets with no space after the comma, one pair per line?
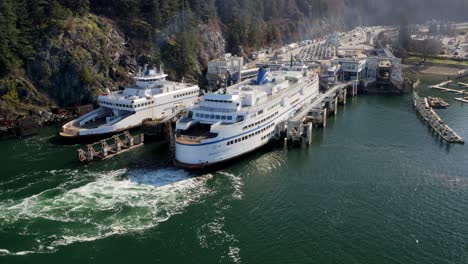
[115,202]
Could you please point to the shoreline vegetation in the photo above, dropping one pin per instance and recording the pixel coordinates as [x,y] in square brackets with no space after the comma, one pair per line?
[439,61]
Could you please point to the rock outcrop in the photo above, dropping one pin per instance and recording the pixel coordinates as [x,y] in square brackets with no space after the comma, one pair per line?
[80,58]
[213,44]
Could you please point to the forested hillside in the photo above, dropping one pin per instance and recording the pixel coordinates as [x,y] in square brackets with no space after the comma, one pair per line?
[66,51]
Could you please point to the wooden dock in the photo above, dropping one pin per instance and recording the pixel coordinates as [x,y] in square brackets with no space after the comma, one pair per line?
[108,148]
[433,120]
[449,90]
[441,85]
[463,100]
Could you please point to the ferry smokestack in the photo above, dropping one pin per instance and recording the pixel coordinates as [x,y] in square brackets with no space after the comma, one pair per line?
[263,76]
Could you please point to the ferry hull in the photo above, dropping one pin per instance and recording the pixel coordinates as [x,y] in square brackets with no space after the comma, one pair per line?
[219,163]
[94,136]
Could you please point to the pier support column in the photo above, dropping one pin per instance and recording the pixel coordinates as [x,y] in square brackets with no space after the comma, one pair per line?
[324,120]
[345,93]
[354,89]
[309,133]
[90,153]
[335,108]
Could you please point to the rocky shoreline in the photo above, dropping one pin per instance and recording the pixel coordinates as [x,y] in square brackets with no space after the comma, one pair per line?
[11,127]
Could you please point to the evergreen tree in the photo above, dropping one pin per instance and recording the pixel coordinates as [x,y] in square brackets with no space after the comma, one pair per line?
[8,37]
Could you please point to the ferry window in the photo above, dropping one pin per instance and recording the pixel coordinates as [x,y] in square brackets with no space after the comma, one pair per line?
[260,112]
[212,116]
[223,117]
[240,118]
[218,117]
[229,117]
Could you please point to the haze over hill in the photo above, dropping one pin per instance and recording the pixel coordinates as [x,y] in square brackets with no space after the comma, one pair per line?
[69,51]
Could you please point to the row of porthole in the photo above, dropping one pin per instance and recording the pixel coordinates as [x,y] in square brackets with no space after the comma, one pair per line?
[210,116]
[218,101]
[260,122]
[232,142]
[185,94]
[128,106]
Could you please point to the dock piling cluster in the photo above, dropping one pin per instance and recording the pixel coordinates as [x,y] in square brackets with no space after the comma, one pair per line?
[103,150]
[434,121]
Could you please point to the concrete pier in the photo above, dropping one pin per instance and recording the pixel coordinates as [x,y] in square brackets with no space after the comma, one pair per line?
[299,127]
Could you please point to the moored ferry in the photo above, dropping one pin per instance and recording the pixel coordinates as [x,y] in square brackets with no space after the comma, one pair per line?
[243,117]
[153,97]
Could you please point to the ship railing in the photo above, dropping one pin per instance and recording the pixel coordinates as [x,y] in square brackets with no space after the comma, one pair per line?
[190,139]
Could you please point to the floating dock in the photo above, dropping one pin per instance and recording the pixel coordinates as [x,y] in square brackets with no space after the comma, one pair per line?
[463,100]
[430,116]
[441,85]
[108,148]
[449,90]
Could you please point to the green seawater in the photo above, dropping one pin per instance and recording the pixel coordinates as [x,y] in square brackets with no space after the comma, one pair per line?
[376,186]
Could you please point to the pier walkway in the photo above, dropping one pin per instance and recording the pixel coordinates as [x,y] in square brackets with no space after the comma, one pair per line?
[299,127]
[320,100]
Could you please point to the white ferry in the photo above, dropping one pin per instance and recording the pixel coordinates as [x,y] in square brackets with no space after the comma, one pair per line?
[228,124]
[153,97]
